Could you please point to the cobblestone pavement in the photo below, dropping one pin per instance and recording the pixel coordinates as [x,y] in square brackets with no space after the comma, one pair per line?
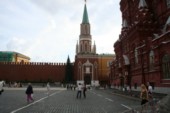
[64,101]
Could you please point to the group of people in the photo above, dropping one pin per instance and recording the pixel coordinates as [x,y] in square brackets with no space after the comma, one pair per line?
[29,91]
[71,86]
[146,94]
[81,89]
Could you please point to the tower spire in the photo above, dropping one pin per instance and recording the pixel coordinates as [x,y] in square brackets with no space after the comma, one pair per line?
[85,15]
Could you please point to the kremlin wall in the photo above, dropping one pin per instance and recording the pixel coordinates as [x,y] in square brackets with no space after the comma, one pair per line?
[32,72]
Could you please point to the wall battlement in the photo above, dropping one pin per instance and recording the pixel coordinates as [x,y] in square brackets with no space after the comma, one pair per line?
[32,63]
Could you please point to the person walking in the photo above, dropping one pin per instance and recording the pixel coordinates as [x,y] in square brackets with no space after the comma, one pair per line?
[2,83]
[79,89]
[48,88]
[29,92]
[150,96]
[84,90]
[144,97]
[150,91]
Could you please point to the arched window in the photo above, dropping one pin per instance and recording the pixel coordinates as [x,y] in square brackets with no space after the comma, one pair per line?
[86,47]
[166,66]
[151,59]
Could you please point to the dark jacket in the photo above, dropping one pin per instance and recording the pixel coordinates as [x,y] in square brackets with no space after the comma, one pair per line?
[29,90]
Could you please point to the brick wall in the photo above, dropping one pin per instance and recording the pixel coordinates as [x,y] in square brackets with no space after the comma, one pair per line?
[33,71]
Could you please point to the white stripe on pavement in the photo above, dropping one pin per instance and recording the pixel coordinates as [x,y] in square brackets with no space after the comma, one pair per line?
[34,102]
[109,99]
[126,106]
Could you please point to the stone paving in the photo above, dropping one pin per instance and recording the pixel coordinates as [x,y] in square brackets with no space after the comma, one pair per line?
[63,101]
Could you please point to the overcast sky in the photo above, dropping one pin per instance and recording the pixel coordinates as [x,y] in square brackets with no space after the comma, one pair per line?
[48,30]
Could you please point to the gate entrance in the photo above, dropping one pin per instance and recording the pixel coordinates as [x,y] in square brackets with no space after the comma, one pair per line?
[87,79]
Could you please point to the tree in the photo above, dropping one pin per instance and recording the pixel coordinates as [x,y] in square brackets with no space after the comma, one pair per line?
[69,72]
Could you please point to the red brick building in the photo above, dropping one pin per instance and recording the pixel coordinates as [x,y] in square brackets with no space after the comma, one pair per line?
[143,48]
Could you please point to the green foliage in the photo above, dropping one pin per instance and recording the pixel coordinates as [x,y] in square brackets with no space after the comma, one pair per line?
[69,72]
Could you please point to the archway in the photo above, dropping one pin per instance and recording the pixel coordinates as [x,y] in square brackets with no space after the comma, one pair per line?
[87,79]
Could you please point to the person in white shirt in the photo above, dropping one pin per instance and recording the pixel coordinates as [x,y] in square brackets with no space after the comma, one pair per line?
[79,89]
[48,88]
[2,83]
[150,89]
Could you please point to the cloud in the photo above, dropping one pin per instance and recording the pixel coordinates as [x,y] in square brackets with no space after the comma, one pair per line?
[17,44]
[47,31]
[55,6]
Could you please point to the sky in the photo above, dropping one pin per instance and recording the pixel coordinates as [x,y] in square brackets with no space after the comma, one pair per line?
[48,30]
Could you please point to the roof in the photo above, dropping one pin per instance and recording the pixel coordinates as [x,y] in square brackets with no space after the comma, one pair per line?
[9,55]
[6,56]
[106,55]
[85,16]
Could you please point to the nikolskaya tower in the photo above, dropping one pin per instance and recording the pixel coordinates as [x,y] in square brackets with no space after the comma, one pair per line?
[86,59]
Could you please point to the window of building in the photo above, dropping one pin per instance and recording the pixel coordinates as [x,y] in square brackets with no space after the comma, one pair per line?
[168,3]
[87,69]
[136,56]
[166,66]
[151,59]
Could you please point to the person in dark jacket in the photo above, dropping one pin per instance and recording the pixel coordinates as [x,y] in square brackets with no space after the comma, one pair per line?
[84,90]
[29,92]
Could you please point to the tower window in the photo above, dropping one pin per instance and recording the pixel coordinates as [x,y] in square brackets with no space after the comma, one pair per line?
[87,69]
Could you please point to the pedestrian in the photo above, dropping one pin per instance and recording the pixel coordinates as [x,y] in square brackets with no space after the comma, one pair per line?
[2,83]
[48,88]
[74,87]
[128,90]
[150,96]
[144,97]
[150,91]
[79,89]
[84,90]
[29,92]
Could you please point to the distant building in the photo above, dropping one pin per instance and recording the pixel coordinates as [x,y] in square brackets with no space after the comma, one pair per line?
[10,56]
[104,65]
[143,48]
[89,67]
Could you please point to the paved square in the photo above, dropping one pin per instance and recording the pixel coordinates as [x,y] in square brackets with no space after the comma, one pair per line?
[63,101]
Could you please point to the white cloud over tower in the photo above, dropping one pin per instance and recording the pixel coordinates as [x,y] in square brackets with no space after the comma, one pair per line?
[48,30]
